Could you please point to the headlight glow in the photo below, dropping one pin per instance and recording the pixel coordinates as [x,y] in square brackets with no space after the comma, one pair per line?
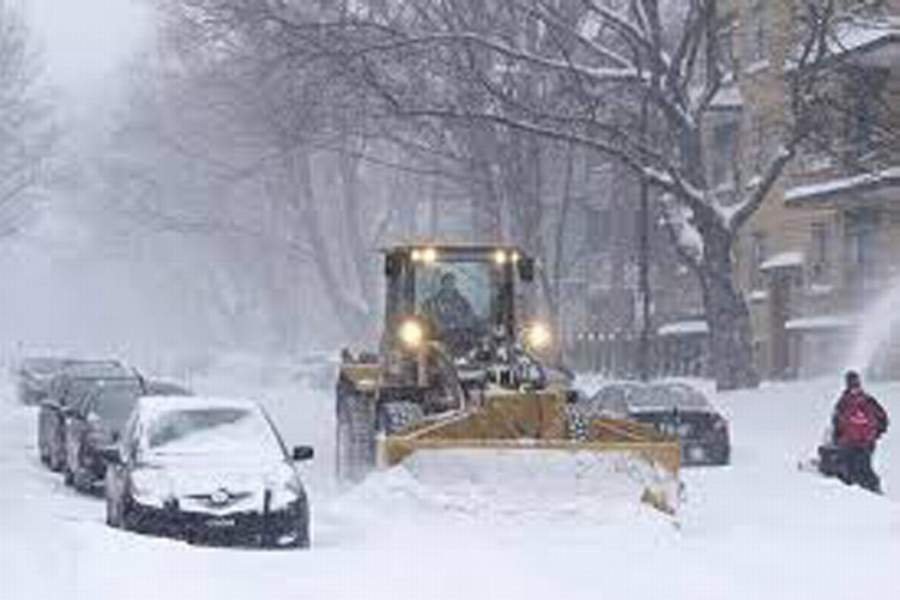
[424,255]
[500,257]
[411,334]
[538,336]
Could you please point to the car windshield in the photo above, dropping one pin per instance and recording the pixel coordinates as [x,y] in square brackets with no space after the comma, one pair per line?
[233,432]
[457,295]
[113,402]
[43,366]
[668,397]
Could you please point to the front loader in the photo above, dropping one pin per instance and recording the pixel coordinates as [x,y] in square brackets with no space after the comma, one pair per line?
[459,372]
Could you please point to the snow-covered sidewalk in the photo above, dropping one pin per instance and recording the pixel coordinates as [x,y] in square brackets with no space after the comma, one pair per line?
[757,529]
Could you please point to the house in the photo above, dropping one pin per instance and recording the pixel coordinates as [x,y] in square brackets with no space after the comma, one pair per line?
[826,243]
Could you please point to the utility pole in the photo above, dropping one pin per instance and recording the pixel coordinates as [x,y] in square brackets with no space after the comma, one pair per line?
[644,257]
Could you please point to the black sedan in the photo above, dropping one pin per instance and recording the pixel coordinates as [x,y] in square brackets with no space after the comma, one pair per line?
[33,377]
[66,389]
[674,409]
[206,470]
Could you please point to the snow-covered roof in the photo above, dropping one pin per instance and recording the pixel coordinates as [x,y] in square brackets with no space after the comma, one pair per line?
[694,327]
[783,260]
[860,33]
[820,322]
[728,97]
[818,289]
[832,187]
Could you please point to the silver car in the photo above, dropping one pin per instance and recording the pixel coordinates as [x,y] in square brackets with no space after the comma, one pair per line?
[206,470]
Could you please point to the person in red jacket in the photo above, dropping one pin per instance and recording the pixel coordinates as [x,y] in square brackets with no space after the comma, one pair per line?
[858,421]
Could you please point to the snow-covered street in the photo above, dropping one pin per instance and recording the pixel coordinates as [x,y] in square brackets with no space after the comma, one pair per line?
[760,528]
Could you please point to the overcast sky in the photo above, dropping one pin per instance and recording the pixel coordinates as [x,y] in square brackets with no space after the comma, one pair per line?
[85,40]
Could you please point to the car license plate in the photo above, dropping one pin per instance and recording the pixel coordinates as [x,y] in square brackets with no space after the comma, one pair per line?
[220,523]
[696,453]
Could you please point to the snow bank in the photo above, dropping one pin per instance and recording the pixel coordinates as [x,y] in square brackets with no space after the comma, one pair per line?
[757,529]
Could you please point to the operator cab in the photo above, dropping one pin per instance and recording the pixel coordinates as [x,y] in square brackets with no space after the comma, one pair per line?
[457,295]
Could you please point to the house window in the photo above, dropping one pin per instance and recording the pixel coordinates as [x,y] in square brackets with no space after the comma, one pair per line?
[758,32]
[724,144]
[866,88]
[757,143]
[862,240]
[758,255]
[820,253]
[597,230]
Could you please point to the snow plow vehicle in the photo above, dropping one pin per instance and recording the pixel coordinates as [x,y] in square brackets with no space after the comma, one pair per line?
[460,378]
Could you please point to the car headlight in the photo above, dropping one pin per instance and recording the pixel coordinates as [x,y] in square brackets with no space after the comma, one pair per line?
[538,336]
[285,490]
[148,487]
[411,333]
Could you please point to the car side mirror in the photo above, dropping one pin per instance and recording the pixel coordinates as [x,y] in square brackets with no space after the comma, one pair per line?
[302,453]
[111,455]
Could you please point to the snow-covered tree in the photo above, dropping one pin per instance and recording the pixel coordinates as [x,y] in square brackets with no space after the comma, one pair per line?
[26,130]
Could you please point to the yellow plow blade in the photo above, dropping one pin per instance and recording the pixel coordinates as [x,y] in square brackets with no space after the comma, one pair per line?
[528,435]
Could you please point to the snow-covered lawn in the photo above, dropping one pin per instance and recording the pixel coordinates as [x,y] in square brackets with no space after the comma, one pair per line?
[757,529]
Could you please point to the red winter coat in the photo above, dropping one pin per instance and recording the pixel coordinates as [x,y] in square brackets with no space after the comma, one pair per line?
[858,419]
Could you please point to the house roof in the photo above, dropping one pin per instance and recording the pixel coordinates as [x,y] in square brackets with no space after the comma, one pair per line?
[783,260]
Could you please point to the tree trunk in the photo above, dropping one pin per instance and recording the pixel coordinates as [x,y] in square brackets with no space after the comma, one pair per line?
[730,337]
[355,318]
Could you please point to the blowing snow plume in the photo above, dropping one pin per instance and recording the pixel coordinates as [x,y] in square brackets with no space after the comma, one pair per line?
[877,327]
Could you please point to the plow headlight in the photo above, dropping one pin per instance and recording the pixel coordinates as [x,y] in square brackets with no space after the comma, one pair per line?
[538,336]
[424,255]
[411,334]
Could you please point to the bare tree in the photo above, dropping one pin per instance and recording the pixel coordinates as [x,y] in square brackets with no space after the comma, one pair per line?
[26,131]
[601,58]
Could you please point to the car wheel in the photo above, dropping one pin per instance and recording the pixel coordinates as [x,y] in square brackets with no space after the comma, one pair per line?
[112,518]
[81,480]
[44,454]
[302,533]
[68,476]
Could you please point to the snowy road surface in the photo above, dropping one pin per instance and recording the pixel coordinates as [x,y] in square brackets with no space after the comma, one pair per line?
[758,529]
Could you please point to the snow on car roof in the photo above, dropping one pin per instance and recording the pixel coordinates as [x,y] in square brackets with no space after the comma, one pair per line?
[666,397]
[161,404]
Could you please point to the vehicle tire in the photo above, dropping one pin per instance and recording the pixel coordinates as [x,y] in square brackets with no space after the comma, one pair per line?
[57,453]
[397,417]
[81,480]
[355,442]
[112,518]
[43,453]
[302,541]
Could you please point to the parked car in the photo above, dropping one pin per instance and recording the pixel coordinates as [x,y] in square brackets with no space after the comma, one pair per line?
[66,388]
[93,422]
[206,470]
[34,375]
[685,412]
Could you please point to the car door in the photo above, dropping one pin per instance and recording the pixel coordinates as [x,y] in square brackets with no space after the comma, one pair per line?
[117,473]
[54,433]
[76,430]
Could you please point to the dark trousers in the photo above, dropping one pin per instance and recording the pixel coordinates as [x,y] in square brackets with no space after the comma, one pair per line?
[858,469]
